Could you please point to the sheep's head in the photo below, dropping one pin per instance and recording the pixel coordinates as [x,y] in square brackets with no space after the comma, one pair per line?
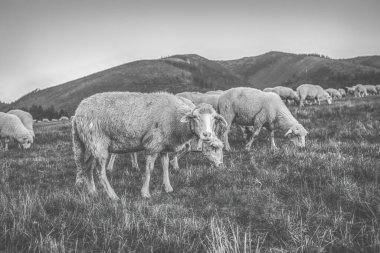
[212,150]
[203,121]
[25,141]
[297,135]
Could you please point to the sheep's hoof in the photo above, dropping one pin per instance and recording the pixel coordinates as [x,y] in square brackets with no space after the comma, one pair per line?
[168,188]
[145,194]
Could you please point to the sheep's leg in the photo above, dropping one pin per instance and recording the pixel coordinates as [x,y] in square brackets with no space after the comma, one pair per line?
[90,183]
[165,175]
[174,162]
[135,163]
[111,162]
[149,165]
[272,143]
[102,159]
[254,134]
[226,143]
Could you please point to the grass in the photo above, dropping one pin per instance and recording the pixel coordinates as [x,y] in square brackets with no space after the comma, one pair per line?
[325,198]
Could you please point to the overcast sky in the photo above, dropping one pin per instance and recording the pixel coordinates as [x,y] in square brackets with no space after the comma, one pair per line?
[48,42]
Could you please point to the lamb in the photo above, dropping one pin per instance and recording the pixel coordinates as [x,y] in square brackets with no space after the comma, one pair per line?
[286,93]
[342,92]
[123,122]
[360,91]
[371,89]
[26,118]
[11,127]
[334,93]
[314,92]
[350,90]
[249,106]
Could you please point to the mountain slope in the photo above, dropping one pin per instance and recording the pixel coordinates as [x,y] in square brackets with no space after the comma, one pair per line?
[277,68]
[195,73]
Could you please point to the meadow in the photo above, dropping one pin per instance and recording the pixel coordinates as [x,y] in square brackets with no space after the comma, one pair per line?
[324,198]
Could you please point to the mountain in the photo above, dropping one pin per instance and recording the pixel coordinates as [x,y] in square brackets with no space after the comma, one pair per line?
[277,68]
[195,73]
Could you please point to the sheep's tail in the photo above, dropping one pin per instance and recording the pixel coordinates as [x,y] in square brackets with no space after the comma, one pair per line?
[80,156]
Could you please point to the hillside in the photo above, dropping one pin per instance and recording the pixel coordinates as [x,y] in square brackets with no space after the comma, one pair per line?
[195,73]
[277,68]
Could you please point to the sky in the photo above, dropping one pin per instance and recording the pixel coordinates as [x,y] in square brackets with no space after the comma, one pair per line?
[48,42]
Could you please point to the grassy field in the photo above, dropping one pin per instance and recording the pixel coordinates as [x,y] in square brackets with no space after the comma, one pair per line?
[325,198]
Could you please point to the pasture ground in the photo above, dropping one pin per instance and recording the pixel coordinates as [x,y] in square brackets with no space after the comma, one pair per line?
[325,198]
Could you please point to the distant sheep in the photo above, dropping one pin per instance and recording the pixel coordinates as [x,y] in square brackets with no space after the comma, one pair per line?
[342,92]
[371,89]
[26,118]
[45,120]
[122,122]
[215,92]
[198,98]
[268,89]
[360,90]
[54,120]
[334,93]
[11,127]
[313,92]
[378,88]
[287,94]
[63,118]
[350,90]
[252,107]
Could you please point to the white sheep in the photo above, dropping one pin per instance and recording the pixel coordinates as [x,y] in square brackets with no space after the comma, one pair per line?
[313,92]
[371,89]
[197,98]
[45,120]
[123,122]
[252,107]
[350,90]
[342,92]
[26,118]
[334,93]
[360,90]
[378,88]
[11,127]
[286,93]
[214,92]
[63,118]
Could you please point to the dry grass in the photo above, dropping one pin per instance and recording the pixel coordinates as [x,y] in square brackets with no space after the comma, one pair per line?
[325,198]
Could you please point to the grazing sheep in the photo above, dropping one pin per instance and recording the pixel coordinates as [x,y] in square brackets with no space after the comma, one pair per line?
[378,88]
[197,98]
[11,127]
[334,93]
[63,118]
[287,94]
[26,118]
[342,92]
[268,89]
[123,122]
[252,107]
[371,89]
[360,91]
[45,120]
[313,92]
[350,90]
[54,120]
[214,92]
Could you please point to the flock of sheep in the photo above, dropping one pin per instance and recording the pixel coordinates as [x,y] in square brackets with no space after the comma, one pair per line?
[111,123]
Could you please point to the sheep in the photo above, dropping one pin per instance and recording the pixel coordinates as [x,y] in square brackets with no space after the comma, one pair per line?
[350,90]
[342,92]
[210,150]
[286,93]
[63,118]
[378,88]
[360,90]
[197,98]
[11,127]
[26,118]
[334,93]
[54,120]
[215,92]
[371,89]
[123,122]
[314,92]
[268,89]
[45,120]
[249,106]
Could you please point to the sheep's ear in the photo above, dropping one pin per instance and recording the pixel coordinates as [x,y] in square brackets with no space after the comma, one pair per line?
[288,132]
[187,117]
[221,121]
